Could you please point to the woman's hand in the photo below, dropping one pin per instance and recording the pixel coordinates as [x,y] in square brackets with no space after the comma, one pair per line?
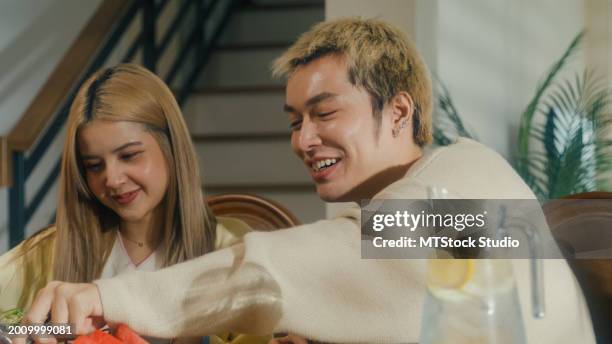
[68,303]
[288,339]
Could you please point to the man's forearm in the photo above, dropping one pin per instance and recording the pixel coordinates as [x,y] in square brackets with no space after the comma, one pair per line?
[215,293]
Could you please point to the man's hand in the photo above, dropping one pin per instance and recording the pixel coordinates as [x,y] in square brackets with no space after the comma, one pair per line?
[67,303]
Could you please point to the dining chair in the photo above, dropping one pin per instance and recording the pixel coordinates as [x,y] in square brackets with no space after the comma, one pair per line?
[258,212]
[583,230]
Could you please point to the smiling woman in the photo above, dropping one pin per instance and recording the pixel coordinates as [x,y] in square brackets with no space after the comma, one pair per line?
[126,171]
[126,156]
[130,194]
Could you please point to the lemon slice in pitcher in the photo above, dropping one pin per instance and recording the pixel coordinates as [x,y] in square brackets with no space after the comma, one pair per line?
[449,273]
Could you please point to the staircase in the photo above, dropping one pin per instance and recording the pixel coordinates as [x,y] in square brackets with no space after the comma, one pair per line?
[235,113]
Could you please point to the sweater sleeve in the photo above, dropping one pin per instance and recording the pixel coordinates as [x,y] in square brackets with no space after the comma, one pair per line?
[230,231]
[308,280]
[218,292]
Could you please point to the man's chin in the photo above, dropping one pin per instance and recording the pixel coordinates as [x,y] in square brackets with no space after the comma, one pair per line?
[331,196]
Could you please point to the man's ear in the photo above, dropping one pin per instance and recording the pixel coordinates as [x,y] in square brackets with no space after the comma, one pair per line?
[402,107]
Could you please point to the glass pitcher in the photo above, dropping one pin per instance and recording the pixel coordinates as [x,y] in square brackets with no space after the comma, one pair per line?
[476,300]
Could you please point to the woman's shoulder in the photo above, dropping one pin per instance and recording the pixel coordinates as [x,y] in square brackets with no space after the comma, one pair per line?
[45,235]
[230,231]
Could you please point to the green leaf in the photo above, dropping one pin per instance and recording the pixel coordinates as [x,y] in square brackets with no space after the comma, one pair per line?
[11,317]
[448,124]
[530,111]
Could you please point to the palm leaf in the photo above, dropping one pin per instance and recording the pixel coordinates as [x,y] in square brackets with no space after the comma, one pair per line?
[574,153]
[530,111]
[448,125]
[568,121]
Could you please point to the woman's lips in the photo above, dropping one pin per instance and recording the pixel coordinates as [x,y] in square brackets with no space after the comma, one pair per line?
[126,198]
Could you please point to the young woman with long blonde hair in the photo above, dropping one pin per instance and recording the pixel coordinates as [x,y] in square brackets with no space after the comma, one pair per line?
[130,195]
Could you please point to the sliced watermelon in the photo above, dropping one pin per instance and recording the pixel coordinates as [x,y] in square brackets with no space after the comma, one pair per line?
[83,340]
[128,336]
[97,337]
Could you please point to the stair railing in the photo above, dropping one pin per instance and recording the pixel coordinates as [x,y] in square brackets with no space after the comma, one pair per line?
[26,145]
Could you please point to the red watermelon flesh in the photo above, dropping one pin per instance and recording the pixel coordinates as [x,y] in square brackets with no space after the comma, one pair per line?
[127,336]
[97,337]
[84,340]
[123,335]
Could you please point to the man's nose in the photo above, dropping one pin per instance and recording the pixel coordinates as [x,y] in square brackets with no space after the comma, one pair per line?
[309,135]
[115,176]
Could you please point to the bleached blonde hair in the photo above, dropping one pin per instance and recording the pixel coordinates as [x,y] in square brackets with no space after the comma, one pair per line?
[379,57]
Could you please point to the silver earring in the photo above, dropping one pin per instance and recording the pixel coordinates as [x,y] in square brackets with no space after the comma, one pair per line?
[399,128]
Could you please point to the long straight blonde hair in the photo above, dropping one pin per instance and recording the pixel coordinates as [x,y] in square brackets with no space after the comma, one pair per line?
[85,227]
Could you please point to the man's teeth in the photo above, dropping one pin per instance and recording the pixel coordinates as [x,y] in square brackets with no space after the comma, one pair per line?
[321,164]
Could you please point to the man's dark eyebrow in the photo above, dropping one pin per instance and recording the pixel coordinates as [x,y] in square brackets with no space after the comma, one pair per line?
[288,108]
[118,149]
[312,101]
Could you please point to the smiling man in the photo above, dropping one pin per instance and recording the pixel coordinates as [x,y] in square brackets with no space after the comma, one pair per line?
[359,101]
[337,135]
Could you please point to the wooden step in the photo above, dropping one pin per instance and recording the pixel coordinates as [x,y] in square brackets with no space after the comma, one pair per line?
[242,114]
[250,137]
[263,26]
[240,68]
[239,89]
[252,46]
[253,162]
[297,5]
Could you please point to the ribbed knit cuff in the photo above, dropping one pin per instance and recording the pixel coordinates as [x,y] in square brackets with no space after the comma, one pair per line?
[114,300]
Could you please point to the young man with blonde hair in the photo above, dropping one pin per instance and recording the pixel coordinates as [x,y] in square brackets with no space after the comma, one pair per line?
[359,101]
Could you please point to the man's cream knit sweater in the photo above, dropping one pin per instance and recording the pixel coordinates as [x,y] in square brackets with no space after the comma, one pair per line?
[311,280]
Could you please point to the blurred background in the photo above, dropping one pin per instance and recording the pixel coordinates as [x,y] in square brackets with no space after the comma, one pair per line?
[515,75]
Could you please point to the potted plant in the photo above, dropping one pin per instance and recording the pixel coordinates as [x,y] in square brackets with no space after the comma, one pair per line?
[563,135]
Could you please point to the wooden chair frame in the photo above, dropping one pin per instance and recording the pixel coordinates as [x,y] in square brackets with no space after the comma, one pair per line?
[568,222]
[260,213]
